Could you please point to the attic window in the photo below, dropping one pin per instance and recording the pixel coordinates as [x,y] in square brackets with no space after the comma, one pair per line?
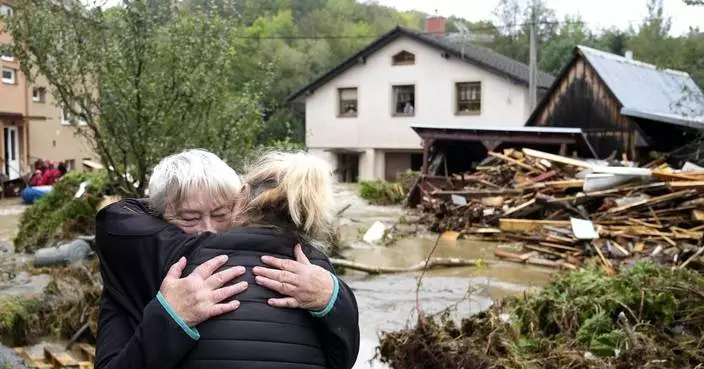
[403,58]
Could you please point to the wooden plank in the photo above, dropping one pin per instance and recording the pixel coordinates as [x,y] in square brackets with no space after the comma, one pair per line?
[561,185]
[476,193]
[558,246]
[673,177]
[686,184]
[87,350]
[32,362]
[556,158]
[652,201]
[556,238]
[698,214]
[527,225]
[59,358]
[544,251]
[514,162]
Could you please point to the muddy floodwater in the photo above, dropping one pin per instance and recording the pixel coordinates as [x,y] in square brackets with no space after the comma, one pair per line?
[387,302]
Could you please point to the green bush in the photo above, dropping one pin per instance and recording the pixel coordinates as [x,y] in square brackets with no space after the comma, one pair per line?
[381,192]
[58,216]
[18,316]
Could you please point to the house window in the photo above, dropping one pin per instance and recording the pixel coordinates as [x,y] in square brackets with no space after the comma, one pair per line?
[9,76]
[403,58]
[70,164]
[6,52]
[66,118]
[39,94]
[347,99]
[469,97]
[404,100]
[5,10]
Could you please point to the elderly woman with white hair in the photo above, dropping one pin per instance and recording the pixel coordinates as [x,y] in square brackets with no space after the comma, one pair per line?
[291,312]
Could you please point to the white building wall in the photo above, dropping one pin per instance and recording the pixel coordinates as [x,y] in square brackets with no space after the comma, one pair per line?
[374,129]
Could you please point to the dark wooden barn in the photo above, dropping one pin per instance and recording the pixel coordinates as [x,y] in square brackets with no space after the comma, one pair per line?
[623,106]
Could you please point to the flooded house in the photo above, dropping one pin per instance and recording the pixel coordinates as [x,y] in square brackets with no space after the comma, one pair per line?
[359,115]
[624,106]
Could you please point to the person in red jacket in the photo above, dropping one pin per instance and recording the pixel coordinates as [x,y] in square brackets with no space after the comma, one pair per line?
[51,174]
[36,179]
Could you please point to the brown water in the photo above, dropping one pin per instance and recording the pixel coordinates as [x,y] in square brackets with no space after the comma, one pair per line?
[386,302]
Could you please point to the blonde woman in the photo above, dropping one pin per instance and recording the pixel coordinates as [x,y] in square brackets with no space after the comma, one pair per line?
[291,309]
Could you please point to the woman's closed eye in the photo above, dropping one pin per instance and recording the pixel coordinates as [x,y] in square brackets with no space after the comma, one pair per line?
[190,219]
[221,216]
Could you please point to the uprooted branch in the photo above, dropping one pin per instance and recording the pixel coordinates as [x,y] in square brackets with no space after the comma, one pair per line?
[425,264]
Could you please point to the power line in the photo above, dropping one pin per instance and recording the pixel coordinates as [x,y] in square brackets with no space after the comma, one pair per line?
[334,37]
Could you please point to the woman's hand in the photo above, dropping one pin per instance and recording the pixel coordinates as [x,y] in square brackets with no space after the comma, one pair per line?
[307,286]
[199,296]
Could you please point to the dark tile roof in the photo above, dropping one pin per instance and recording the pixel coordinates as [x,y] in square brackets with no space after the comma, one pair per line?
[476,55]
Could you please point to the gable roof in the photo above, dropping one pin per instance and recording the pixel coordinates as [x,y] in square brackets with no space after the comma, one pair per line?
[476,55]
[643,90]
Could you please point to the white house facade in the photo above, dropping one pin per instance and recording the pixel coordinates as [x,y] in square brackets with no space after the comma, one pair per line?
[359,115]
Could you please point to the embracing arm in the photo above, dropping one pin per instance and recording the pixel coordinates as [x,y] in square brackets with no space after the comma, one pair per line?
[338,323]
[137,328]
[158,341]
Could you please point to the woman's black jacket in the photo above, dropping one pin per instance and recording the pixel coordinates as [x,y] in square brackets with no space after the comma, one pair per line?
[136,329]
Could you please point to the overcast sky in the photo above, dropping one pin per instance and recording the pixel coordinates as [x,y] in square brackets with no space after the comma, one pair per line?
[596,13]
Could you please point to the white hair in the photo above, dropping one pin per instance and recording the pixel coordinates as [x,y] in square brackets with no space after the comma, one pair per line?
[180,175]
[297,184]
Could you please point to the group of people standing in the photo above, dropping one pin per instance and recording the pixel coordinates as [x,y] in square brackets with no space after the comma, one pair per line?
[46,172]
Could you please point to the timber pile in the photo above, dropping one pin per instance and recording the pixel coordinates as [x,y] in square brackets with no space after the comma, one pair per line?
[80,357]
[563,209]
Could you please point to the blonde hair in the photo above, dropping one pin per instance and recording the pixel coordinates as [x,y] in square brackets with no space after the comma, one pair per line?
[181,175]
[296,185]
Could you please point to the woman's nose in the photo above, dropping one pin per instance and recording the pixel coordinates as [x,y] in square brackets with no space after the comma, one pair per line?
[207,225]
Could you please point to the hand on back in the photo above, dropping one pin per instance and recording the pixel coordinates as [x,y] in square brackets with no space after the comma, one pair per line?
[199,296]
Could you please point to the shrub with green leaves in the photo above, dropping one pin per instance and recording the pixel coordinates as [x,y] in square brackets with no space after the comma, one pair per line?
[381,192]
[58,216]
[18,317]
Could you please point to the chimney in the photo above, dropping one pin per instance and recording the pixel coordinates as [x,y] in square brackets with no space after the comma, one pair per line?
[435,24]
[629,55]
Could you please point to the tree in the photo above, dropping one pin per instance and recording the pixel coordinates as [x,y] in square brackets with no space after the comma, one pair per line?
[558,50]
[142,80]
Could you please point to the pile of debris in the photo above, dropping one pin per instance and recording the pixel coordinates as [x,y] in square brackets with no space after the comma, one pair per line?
[648,316]
[564,209]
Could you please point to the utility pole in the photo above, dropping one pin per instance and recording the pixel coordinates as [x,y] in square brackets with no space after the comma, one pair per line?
[533,61]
